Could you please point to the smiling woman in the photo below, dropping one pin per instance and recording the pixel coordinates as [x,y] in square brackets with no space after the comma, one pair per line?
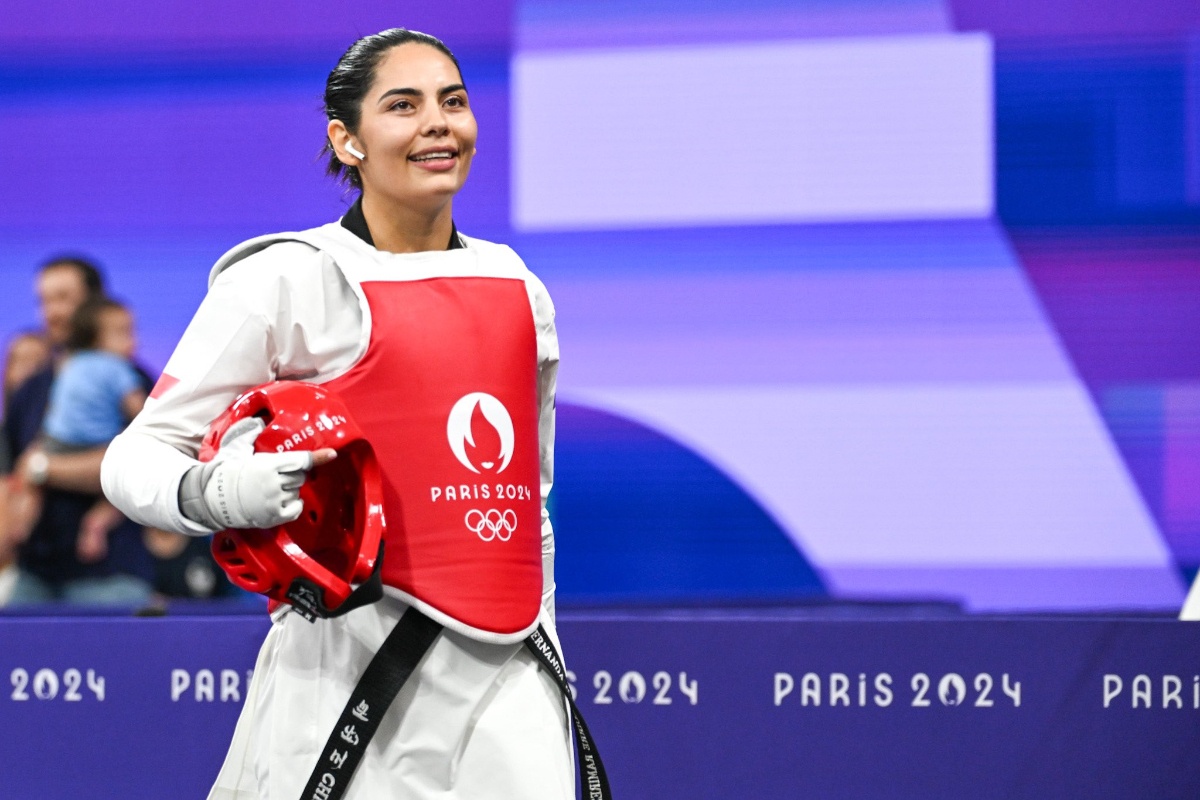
[401,129]
[443,349]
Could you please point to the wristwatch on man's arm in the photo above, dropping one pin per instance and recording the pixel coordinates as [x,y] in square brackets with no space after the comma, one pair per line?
[37,468]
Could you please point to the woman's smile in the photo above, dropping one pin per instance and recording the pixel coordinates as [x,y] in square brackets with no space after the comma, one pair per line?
[436,159]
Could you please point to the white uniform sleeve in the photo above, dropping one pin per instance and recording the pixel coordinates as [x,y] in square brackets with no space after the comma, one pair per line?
[284,312]
[547,346]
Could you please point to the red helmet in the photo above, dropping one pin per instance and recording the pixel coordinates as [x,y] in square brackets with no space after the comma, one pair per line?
[337,541]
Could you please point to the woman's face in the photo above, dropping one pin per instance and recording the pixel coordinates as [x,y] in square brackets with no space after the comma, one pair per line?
[417,129]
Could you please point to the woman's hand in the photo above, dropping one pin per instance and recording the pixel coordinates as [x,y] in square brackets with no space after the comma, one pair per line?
[240,488]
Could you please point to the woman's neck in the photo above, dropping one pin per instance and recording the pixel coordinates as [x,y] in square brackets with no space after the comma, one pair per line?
[403,229]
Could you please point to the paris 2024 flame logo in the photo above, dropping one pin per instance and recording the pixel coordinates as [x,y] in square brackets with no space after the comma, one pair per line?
[480,431]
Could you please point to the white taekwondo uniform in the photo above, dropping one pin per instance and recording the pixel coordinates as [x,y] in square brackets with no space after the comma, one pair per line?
[479,718]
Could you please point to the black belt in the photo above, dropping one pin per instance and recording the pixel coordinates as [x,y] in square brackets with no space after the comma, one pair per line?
[396,660]
[592,777]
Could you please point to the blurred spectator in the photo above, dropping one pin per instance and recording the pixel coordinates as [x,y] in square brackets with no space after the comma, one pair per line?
[63,284]
[184,567]
[95,394]
[28,352]
[70,482]
[8,545]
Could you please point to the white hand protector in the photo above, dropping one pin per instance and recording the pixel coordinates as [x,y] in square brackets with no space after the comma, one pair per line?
[243,489]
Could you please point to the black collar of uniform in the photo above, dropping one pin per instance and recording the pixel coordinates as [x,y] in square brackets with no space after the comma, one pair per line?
[356,223]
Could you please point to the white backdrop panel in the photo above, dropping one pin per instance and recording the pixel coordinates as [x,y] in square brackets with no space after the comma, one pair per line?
[834,129]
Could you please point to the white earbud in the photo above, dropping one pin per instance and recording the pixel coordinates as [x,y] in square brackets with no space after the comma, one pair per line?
[350,149]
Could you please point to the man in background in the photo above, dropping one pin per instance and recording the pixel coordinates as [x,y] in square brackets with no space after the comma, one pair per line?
[50,568]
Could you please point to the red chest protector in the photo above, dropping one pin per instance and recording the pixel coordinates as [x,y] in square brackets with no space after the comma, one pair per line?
[447,395]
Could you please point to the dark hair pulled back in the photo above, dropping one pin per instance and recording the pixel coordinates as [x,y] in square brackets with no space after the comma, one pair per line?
[349,81]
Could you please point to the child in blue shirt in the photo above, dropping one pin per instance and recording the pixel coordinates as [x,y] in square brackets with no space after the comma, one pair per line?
[97,390]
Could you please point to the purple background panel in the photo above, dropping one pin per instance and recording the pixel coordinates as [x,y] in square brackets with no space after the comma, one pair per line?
[1192,125]
[217,24]
[1126,305]
[201,153]
[1069,19]
[194,163]
[928,479]
[1181,468]
[1001,587]
[548,24]
[634,510]
[831,304]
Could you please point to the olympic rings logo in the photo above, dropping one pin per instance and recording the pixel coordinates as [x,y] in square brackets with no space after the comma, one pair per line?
[491,524]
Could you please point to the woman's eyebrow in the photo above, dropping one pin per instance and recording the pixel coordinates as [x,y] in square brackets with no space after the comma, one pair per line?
[410,92]
[404,91]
